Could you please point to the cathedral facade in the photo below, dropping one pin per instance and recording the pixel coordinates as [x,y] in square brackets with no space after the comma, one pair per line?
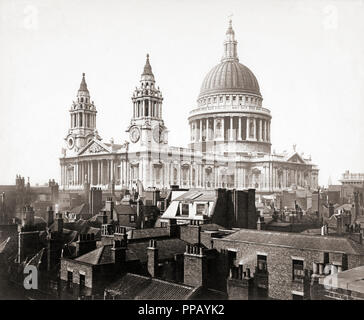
[230,144]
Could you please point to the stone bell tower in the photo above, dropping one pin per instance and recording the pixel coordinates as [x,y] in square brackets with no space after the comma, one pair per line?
[146,127]
[83,119]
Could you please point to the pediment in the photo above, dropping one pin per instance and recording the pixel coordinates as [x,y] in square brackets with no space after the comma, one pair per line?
[296,158]
[94,147]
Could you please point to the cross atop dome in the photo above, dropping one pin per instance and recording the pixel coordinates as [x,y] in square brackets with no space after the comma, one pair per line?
[230,44]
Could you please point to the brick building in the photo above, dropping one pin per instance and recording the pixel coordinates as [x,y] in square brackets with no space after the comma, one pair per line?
[281,264]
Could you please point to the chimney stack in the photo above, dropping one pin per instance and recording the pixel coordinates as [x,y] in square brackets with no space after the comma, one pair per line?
[85,243]
[28,216]
[195,266]
[173,228]
[59,222]
[50,216]
[152,253]
[119,254]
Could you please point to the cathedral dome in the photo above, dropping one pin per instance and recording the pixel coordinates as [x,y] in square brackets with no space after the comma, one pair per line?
[230,76]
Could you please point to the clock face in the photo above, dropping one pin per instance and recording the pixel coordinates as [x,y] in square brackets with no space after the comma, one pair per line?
[134,134]
[158,135]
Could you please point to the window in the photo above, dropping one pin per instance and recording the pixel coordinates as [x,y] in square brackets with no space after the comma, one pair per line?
[200,209]
[297,297]
[220,98]
[82,280]
[132,218]
[297,270]
[234,98]
[185,209]
[227,98]
[262,263]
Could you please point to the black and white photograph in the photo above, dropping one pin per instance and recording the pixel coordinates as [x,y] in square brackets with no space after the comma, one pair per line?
[181,150]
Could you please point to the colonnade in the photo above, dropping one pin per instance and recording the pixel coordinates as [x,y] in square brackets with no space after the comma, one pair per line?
[230,128]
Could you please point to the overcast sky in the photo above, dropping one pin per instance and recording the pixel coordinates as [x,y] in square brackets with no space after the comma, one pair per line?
[308,57]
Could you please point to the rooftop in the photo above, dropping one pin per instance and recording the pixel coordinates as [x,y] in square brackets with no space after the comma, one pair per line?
[132,286]
[298,241]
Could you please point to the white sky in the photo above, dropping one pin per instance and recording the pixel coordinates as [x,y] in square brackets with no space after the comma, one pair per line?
[308,57]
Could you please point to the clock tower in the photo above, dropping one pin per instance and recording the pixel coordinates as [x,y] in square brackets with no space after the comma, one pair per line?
[83,120]
[146,127]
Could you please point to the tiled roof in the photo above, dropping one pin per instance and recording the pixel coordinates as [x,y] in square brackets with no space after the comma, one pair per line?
[297,240]
[137,287]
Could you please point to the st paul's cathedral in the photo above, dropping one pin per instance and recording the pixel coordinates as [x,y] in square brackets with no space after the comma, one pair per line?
[230,141]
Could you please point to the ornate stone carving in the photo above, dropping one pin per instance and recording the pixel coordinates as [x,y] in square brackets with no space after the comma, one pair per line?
[95,148]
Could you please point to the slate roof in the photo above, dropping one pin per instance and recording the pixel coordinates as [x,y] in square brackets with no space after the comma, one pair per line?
[297,240]
[137,287]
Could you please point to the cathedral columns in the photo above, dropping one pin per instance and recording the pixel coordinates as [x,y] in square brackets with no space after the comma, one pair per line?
[255,128]
[231,128]
[112,170]
[239,132]
[223,128]
[201,130]
[247,129]
[102,172]
[260,130]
